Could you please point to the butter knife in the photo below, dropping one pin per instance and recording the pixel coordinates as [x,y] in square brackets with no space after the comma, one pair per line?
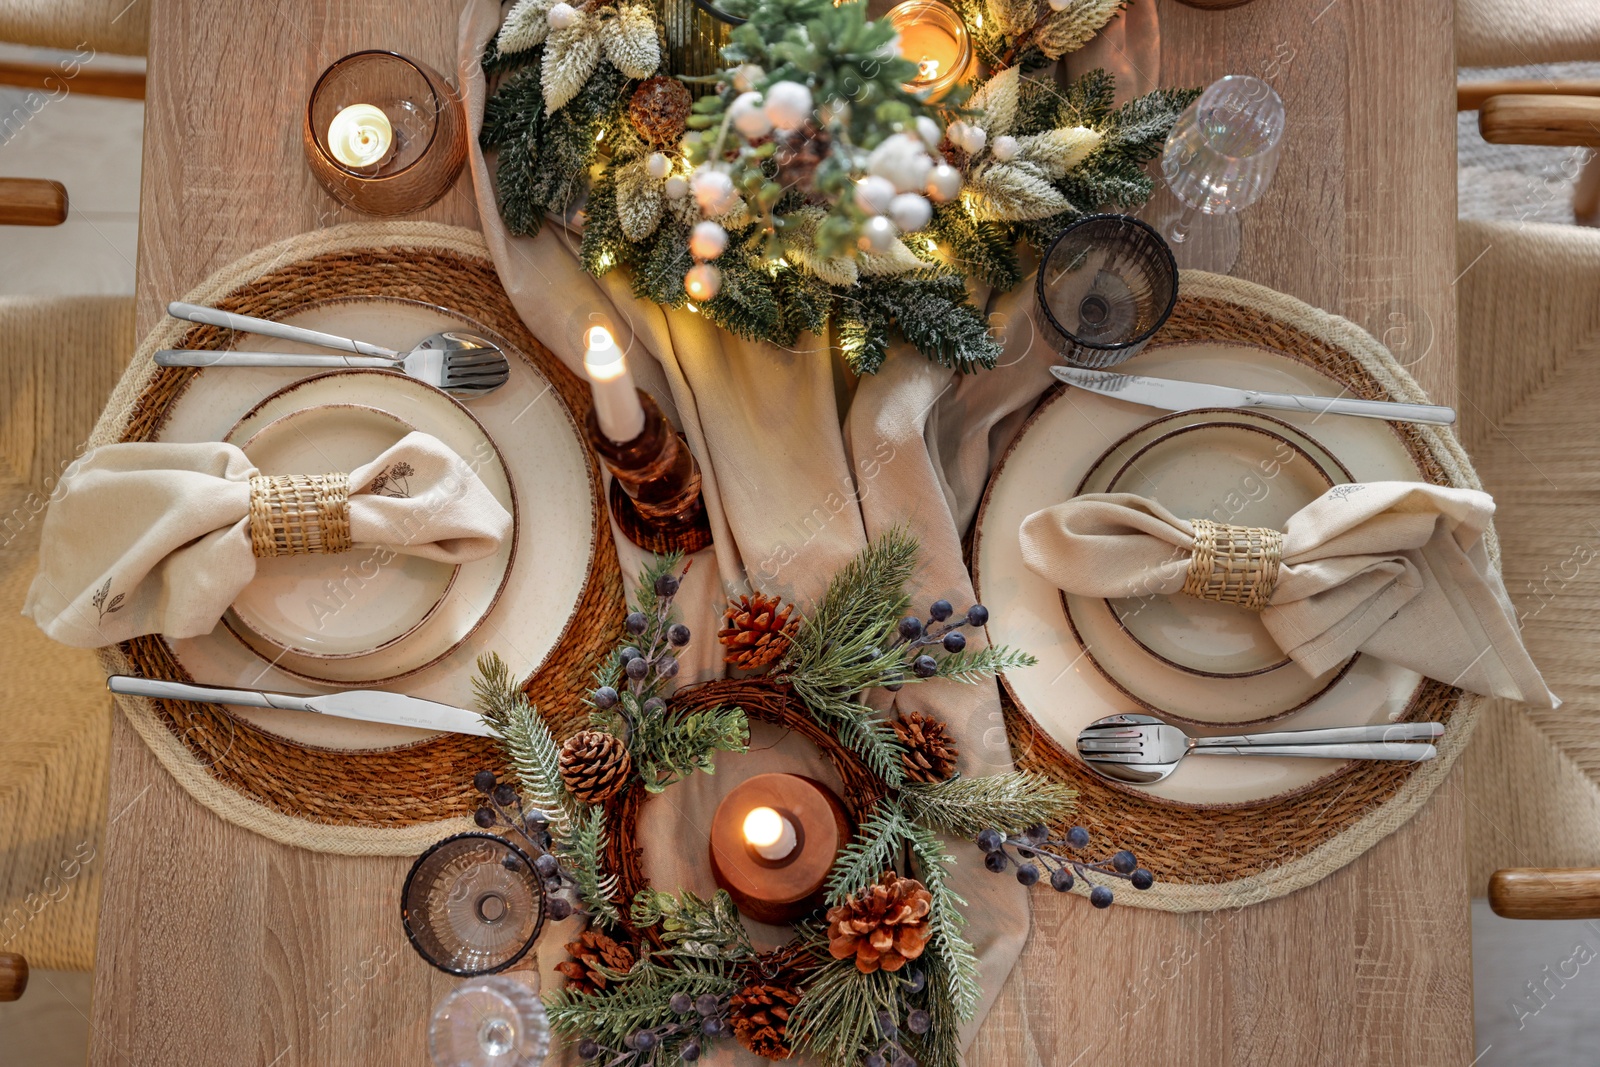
[1188,396]
[368,705]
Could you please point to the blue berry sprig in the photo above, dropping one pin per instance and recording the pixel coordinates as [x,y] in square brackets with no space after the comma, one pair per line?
[699,1018]
[1036,851]
[647,664]
[916,639]
[503,807]
[890,1052]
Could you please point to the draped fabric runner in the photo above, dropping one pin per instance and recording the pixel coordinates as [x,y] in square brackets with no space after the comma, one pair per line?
[160,538]
[1398,570]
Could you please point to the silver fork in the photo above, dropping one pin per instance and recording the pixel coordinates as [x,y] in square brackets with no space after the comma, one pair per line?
[461,364]
[1143,749]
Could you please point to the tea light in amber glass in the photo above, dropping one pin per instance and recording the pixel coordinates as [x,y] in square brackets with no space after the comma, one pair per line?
[773,840]
[933,37]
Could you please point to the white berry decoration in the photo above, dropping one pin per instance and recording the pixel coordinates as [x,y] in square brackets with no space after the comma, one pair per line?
[878,235]
[929,131]
[562,16]
[677,187]
[874,194]
[901,159]
[703,282]
[967,137]
[1004,148]
[708,240]
[944,183]
[713,191]
[658,166]
[747,116]
[747,77]
[910,212]
[788,105]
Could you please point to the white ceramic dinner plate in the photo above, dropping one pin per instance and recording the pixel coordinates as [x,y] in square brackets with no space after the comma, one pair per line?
[317,422]
[1046,464]
[307,605]
[547,468]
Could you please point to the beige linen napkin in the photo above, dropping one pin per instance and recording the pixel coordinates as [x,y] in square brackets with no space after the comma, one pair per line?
[1397,570]
[155,538]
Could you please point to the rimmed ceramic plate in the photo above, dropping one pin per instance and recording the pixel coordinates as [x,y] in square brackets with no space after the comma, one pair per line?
[1229,466]
[545,459]
[316,422]
[289,605]
[1045,465]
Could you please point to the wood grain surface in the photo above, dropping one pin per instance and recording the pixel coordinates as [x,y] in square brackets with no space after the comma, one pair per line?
[219,945]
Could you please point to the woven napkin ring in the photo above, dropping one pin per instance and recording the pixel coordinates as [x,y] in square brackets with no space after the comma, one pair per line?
[1233,564]
[291,515]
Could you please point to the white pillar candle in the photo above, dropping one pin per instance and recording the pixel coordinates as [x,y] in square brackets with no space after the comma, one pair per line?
[616,400]
[769,834]
[361,137]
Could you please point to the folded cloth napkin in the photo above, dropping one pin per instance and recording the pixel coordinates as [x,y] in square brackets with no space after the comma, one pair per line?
[1398,570]
[160,538]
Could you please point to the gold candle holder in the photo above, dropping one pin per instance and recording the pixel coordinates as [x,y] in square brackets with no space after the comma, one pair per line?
[655,484]
[933,37]
[425,119]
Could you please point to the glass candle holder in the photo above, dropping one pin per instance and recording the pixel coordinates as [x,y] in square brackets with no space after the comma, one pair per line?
[491,1022]
[1106,285]
[394,97]
[933,37]
[473,904]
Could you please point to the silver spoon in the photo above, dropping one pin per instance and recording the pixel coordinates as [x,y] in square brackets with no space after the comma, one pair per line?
[461,364]
[1143,750]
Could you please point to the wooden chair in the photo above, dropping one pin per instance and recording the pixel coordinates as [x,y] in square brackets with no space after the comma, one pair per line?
[1545,893]
[86,28]
[1506,33]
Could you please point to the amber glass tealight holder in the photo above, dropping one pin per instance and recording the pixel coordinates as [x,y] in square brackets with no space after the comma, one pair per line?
[933,37]
[427,123]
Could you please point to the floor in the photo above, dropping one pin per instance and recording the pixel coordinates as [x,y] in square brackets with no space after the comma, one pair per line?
[1536,983]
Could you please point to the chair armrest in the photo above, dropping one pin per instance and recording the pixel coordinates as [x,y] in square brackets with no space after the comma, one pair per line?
[123,84]
[32,202]
[1545,893]
[13,975]
[1471,95]
[1546,120]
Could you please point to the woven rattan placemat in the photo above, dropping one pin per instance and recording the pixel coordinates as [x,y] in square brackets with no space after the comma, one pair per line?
[370,802]
[1229,856]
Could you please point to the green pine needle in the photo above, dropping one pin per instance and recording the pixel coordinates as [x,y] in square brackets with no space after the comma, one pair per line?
[1010,802]
[971,665]
[586,852]
[837,1015]
[528,744]
[864,859]
[961,983]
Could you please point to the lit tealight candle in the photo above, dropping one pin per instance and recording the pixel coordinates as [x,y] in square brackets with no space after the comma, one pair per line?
[616,400]
[361,137]
[769,834]
[933,37]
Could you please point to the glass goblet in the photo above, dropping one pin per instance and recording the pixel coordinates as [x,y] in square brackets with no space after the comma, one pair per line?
[1105,287]
[473,904]
[490,1022]
[1219,159]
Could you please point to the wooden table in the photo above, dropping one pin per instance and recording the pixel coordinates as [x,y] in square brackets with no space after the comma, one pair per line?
[218,946]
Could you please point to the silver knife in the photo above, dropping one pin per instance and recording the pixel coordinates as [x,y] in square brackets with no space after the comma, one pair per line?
[368,705]
[1187,396]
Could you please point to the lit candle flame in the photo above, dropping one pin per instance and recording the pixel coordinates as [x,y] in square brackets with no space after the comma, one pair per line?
[769,833]
[927,70]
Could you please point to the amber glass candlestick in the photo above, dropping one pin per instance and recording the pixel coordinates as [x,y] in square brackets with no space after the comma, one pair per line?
[655,484]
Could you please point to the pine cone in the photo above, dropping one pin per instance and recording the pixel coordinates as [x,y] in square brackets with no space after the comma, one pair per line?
[757,630]
[929,756]
[659,110]
[591,951]
[883,926]
[760,1018]
[798,154]
[594,765]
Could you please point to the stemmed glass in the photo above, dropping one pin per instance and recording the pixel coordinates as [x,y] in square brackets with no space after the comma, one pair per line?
[1219,159]
[492,1022]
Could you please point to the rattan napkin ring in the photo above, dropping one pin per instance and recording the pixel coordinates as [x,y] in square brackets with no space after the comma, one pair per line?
[296,514]
[1234,564]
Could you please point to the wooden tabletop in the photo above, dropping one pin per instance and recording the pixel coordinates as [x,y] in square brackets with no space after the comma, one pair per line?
[219,946]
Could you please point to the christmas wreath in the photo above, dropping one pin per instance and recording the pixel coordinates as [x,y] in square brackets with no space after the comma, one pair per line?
[807,185]
[881,975]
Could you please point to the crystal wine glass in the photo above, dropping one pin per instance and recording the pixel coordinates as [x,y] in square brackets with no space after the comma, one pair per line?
[472,904]
[491,1022]
[1219,159]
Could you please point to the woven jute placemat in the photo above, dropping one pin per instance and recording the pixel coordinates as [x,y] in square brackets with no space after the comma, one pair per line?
[1229,856]
[391,801]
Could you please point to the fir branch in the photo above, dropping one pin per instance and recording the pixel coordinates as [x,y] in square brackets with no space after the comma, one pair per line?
[983,250]
[972,666]
[837,1015]
[931,310]
[941,1045]
[637,1000]
[867,595]
[668,747]
[527,742]
[587,860]
[1009,802]
[961,983]
[863,860]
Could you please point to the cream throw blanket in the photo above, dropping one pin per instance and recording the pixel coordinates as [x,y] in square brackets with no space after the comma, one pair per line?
[1397,570]
[155,538]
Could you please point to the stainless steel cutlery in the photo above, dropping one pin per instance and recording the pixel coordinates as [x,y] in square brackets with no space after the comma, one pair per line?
[1173,395]
[1143,749]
